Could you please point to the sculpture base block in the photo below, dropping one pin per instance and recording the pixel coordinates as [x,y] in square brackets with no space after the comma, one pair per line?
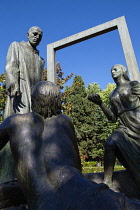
[11,195]
[122,182]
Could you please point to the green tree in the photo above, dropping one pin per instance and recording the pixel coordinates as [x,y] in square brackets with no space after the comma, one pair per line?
[92,127]
[60,79]
[2,95]
[93,88]
[77,93]
[81,114]
[94,146]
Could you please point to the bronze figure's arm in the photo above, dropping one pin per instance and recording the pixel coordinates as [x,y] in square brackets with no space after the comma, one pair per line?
[95,98]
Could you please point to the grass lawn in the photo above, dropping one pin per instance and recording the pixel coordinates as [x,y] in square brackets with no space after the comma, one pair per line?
[99,169]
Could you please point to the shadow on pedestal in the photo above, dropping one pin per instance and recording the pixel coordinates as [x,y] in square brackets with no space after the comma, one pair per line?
[122,182]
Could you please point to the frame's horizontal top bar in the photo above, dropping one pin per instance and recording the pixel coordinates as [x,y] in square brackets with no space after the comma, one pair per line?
[87,34]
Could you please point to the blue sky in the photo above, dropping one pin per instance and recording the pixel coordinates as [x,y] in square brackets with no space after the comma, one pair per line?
[92,59]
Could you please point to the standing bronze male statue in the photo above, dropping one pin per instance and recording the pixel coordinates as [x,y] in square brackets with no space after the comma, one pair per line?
[47,161]
[24,68]
[124,143]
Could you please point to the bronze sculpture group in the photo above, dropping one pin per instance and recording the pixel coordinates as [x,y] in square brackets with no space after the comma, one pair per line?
[47,162]
[43,142]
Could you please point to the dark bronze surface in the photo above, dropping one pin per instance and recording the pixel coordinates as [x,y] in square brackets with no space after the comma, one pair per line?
[47,160]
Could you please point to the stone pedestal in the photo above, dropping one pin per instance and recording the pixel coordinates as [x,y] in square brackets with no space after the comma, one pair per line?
[122,182]
[11,195]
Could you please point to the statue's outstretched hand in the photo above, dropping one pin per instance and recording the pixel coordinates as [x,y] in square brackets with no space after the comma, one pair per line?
[95,98]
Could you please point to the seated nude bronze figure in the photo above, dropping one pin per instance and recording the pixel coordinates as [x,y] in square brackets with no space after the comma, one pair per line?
[124,143]
[47,161]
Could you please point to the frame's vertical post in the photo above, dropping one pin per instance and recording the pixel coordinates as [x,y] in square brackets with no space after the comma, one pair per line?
[128,49]
[51,63]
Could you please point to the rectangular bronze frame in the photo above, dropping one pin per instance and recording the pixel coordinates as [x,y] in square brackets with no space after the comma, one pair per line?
[118,23]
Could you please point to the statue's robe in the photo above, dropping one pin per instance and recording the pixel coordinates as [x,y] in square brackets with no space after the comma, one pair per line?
[24,68]
[125,104]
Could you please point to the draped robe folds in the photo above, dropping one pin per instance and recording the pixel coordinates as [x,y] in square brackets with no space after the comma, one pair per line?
[125,104]
[24,68]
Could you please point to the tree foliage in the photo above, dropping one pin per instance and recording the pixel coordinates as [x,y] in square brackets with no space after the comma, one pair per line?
[60,79]
[2,94]
[92,127]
